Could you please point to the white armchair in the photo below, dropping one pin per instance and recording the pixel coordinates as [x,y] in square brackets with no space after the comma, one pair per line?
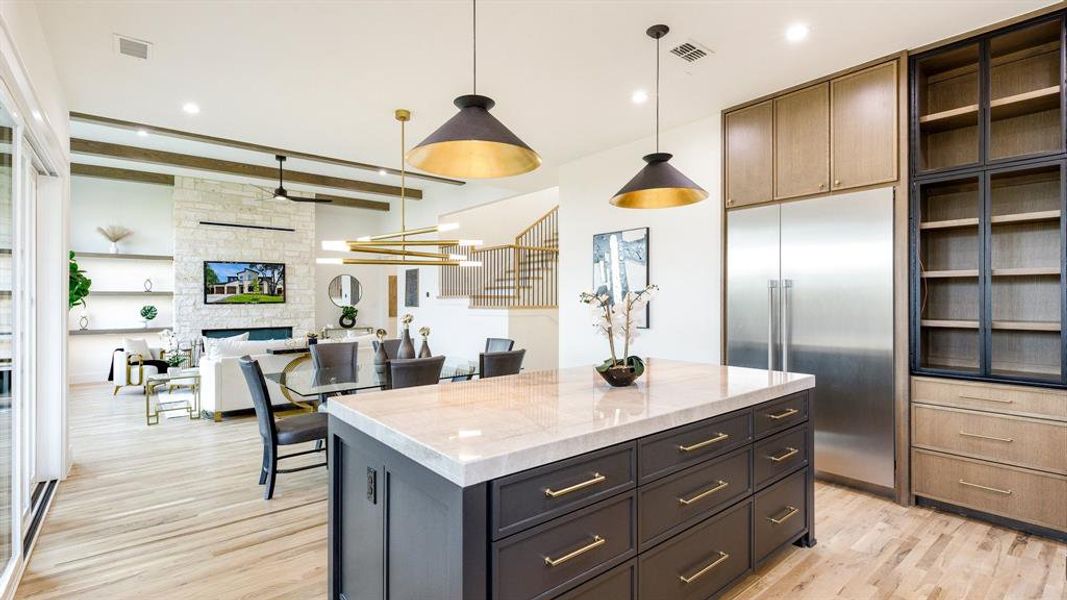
[128,364]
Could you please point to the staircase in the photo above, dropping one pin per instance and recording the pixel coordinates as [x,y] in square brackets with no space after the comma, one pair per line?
[519,275]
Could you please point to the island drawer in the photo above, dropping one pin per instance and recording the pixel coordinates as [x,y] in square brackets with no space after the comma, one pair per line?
[1021,441]
[619,583]
[525,499]
[780,415]
[700,562]
[1013,492]
[673,450]
[543,561]
[778,455]
[670,504]
[1007,399]
[781,513]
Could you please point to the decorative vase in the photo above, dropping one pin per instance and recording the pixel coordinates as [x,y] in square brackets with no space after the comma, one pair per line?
[113,248]
[83,322]
[346,321]
[144,323]
[148,284]
[407,347]
[424,350]
[312,341]
[621,374]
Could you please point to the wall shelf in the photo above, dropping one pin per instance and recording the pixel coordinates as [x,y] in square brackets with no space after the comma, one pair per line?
[108,255]
[130,293]
[116,331]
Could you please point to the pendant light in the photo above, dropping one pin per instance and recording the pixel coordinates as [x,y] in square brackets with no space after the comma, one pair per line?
[387,243]
[282,194]
[473,144]
[658,184]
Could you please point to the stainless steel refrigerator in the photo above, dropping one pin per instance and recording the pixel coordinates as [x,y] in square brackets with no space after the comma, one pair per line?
[809,288]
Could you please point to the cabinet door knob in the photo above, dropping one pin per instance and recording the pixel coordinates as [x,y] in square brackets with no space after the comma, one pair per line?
[822,186]
[837,182]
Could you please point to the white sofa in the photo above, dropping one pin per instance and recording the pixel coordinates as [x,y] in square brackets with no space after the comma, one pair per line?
[222,384]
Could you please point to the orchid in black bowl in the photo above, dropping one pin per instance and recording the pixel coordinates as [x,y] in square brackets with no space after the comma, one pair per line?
[616,321]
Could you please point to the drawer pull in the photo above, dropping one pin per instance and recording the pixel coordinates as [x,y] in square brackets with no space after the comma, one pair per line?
[789,453]
[790,511]
[596,543]
[720,486]
[966,397]
[987,437]
[785,413]
[697,446]
[986,488]
[597,478]
[718,561]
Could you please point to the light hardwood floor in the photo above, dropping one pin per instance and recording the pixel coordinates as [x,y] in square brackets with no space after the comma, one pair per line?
[173,511]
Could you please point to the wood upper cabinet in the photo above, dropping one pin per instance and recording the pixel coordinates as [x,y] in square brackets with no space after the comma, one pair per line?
[864,127]
[750,155]
[802,142]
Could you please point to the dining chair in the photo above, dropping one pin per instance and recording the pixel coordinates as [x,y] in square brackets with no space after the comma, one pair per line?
[308,427]
[499,344]
[411,372]
[333,355]
[496,364]
[391,347]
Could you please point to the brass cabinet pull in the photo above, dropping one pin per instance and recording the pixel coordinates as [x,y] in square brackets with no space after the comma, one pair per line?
[966,397]
[986,488]
[785,413]
[596,543]
[720,484]
[718,561]
[790,511]
[697,446]
[597,478]
[789,453]
[987,437]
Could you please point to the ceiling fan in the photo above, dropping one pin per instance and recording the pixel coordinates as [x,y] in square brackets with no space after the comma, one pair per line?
[282,194]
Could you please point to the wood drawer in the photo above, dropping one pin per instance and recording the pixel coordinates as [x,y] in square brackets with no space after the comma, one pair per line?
[778,455]
[780,513]
[710,556]
[525,499]
[619,583]
[673,450]
[671,504]
[1007,399]
[582,544]
[781,415]
[1013,440]
[1012,492]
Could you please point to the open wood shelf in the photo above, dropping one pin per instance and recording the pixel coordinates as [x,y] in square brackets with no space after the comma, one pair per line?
[116,331]
[130,293]
[108,255]
[949,223]
[1025,103]
[1027,325]
[1026,272]
[950,274]
[964,116]
[949,324]
[1044,215]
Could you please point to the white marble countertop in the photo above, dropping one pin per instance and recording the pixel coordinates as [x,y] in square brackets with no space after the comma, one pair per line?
[479,430]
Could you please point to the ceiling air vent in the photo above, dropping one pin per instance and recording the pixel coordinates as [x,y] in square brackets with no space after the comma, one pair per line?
[690,51]
[131,47]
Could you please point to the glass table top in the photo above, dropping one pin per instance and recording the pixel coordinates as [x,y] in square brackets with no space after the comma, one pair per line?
[173,374]
[308,381]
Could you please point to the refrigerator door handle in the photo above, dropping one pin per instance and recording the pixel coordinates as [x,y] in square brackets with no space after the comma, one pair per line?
[772,287]
[787,301]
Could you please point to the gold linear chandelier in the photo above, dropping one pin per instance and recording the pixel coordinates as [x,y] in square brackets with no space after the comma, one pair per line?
[396,244]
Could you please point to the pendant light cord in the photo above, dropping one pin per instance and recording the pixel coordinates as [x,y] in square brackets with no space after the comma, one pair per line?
[474,31]
[657,93]
[403,189]
[280,184]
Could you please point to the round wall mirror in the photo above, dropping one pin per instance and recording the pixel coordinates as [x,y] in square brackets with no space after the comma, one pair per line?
[345,290]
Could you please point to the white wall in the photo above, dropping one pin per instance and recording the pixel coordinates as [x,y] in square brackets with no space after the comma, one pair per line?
[143,207]
[684,248]
[498,222]
[338,223]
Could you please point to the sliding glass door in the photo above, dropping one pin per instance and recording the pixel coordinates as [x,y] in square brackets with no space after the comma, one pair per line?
[8,342]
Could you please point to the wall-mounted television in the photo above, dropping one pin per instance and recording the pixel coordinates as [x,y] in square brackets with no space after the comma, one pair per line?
[227,282]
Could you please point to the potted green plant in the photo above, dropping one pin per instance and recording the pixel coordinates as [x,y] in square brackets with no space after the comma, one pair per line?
[615,320]
[348,317]
[148,313]
[79,284]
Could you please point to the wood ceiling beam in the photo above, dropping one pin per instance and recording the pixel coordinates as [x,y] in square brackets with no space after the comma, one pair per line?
[219,141]
[354,202]
[121,174]
[162,157]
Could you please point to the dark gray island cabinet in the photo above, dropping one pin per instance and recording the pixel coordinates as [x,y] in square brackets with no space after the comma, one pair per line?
[550,485]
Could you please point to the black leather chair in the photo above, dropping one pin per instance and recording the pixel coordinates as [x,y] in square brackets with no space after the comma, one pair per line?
[499,344]
[308,427]
[411,372]
[496,364]
[391,347]
[334,355]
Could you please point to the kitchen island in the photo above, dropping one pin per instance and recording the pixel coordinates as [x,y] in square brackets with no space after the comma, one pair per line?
[551,484]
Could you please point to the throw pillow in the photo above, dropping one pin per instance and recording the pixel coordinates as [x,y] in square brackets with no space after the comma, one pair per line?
[137,346]
[213,347]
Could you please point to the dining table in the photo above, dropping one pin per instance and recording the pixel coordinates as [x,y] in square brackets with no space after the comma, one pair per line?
[311,383]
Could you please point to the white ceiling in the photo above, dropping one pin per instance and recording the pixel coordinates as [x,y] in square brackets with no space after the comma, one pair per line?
[324,77]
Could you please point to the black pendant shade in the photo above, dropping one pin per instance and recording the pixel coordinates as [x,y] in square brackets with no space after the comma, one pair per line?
[473,144]
[658,185]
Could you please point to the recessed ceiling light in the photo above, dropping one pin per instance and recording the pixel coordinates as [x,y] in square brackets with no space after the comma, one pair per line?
[191,107]
[797,32]
[142,132]
[639,97]
[383,172]
[37,115]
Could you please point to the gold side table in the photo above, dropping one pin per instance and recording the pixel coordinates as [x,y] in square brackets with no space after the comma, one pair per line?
[184,378]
